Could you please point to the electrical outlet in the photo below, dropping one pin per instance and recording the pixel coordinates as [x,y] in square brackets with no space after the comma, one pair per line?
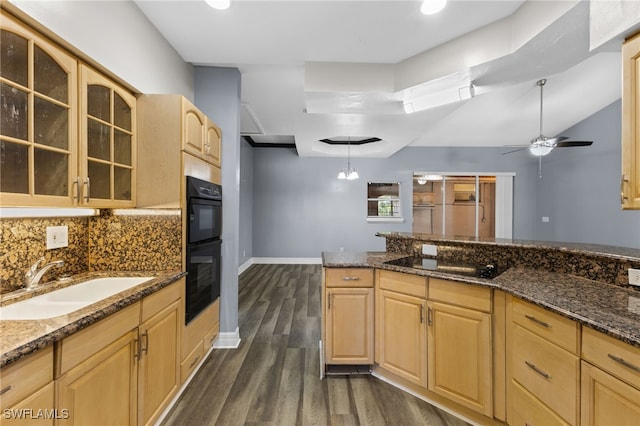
[634,276]
[429,250]
[57,237]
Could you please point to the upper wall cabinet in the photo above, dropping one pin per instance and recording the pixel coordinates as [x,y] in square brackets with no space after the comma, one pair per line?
[107,142]
[201,135]
[38,124]
[47,156]
[630,185]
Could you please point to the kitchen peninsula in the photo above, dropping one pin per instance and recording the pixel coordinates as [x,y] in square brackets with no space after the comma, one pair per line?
[537,343]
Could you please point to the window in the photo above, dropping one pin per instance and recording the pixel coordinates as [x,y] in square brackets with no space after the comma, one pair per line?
[383,202]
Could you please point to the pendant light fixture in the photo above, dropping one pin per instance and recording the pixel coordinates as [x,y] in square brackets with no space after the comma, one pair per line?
[349,173]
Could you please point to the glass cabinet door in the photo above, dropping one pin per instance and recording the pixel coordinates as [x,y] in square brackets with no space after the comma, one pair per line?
[38,127]
[107,142]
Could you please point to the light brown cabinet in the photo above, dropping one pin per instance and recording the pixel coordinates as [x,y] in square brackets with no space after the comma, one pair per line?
[198,337]
[68,133]
[401,325]
[630,185]
[38,118]
[543,360]
[107,142]
[125,368]
[460,344]
[26,389]
[348,311]
[175,139]
[610,387]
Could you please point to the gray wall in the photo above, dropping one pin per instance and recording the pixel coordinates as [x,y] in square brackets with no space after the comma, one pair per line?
[301,209]
[218,96]
[580,187]
[245,247]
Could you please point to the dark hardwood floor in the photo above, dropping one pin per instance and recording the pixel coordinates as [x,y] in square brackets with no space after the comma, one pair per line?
[273,377]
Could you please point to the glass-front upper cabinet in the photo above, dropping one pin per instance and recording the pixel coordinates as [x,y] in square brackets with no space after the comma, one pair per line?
[107,142]
[38,124]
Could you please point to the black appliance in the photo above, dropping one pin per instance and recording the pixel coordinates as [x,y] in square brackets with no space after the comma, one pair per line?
[203,254]
[489,270]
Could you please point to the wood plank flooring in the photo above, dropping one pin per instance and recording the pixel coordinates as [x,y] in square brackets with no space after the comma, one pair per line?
[273,377]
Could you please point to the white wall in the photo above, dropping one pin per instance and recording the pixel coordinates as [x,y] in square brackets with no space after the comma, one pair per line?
[118,36]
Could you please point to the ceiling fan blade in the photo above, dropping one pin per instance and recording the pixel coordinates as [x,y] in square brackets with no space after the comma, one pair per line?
[569,144]
[515,150]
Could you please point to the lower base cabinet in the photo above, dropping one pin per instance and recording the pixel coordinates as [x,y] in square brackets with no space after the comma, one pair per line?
[607,400]
[460,356]
[349,325]
[103,388]
[197,338]
[123,370]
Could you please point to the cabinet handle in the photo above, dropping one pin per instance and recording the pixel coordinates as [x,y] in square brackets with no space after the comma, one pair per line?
[537,370]
[195,361]
[136,352]
[87,183]
[623,362]
[329,301]
[350,278]
[537,321]
[145,346]
[5,390]
[622,196]
[76,189]
[429,316]
[421,314]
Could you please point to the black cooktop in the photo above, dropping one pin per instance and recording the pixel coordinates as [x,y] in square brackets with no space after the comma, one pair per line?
[489,270]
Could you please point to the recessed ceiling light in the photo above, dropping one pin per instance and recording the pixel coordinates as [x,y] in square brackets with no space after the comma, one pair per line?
[430,7]
[219,4]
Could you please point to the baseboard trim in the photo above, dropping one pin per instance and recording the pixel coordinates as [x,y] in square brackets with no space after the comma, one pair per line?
[230,340]
[279,260]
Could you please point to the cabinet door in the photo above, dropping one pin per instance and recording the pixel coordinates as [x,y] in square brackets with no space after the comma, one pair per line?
[459,360]
[103,388]
[607,400]
[35,409]
[630,186]
[38,119]
[107,142]
[159,375]
[402,331]
[193,125]
[349,322]
[213,146]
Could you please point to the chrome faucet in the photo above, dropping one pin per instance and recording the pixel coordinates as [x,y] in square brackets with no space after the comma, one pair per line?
[33,275]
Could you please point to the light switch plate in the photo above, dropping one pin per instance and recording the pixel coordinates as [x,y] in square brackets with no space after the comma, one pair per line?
[634,276]
[57,237]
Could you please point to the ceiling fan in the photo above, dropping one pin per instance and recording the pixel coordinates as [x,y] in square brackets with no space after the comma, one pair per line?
[543,145]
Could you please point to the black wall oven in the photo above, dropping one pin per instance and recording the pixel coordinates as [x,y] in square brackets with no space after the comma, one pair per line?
[204,229]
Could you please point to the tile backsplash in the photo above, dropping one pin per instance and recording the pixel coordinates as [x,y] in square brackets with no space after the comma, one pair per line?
[100,243]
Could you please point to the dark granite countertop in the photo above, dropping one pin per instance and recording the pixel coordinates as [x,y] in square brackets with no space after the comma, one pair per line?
[608,308]
[602,250]
[22,337]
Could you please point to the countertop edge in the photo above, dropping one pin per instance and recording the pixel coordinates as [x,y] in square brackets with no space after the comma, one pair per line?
[126,298]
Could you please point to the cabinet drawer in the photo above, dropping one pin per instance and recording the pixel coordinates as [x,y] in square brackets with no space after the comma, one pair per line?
[553,327]
[24,377]
[526,410]
[159,300]
[211,336]
[349,277]
[76,348]
[612,355]
[42,401]
[465,295]
[191,362]
[550,373]
[413,285]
